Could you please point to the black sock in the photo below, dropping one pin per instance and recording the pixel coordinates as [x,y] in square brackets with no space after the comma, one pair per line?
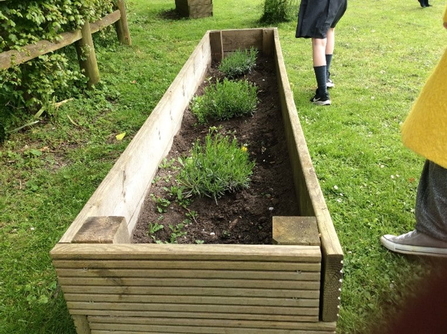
[328,64]
[321,76]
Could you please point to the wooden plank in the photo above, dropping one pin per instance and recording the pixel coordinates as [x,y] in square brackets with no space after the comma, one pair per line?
[106,265]
[304,298]
[103,230]
[299,275]
[87,56]
[293,230]
[199,11]
[188,252]
[175,330]
[83,307]
[227,303]
[105,21]
[169,330]
[233,40]
[122,26]
[123,190]
[150,292]
[198,315]
[217,51]
[213,326]
[28,52]
[188,282]
[310,195]
[198,2]
[135,322]
[268,42]
[81,323]
[14,57]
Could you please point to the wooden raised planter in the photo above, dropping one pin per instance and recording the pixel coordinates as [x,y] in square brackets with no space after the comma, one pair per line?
[112,285]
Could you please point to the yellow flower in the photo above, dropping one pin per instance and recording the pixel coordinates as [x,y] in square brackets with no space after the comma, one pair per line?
[244,149]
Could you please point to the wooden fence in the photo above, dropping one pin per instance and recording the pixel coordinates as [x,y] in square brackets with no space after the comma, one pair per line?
[83,42]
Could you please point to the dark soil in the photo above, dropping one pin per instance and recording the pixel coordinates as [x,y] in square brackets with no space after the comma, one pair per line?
[244,217]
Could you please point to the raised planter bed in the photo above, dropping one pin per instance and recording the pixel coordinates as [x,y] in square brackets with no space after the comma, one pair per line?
[290,286]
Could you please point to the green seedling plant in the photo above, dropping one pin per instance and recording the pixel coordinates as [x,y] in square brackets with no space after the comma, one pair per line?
[154,227]
[224,100]
[161,203]
[177,231]
[216,166]
[238,63]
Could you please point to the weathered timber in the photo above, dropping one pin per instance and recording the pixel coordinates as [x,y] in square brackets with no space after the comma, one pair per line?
[103,230]
[28,52]
[174,288]
[194,8]
[295,231]
[81,324]
[310,197]
[86,55]
[122,27]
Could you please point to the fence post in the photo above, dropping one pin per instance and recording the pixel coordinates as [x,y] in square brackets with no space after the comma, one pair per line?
[121,26]
[86,55]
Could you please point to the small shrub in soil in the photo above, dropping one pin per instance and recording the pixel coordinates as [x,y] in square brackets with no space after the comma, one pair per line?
[217,166]
[224,100]
[276,11]
[238,63]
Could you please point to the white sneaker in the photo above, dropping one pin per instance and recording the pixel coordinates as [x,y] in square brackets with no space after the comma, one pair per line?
[415,243]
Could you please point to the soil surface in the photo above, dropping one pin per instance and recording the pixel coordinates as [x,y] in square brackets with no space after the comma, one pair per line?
[243,217]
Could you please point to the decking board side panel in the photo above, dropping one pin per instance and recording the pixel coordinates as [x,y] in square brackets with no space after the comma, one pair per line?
[295,275]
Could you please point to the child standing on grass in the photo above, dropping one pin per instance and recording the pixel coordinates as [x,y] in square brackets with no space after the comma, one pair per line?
[425,132]
[317,20]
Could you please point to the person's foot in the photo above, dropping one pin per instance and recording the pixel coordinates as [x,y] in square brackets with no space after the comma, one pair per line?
[321,100]
[415,243]
[421,2]
[330,83]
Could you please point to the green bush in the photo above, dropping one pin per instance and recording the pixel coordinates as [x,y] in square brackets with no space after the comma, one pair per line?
[217,166]
[279,11]
[24,22]
[36,84]
[238,63]
[224,100]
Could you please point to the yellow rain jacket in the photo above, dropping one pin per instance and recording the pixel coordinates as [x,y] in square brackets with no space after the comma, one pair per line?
[425,129]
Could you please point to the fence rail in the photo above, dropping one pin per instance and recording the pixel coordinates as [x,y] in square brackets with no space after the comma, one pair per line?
[83,42]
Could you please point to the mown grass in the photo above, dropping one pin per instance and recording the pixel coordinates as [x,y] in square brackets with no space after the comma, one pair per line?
[385,51]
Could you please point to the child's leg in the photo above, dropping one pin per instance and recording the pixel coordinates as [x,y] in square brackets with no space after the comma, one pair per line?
[319,63]
[330,44]
[329,52]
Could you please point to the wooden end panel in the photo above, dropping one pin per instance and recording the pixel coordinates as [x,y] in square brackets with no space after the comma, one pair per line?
[209,288]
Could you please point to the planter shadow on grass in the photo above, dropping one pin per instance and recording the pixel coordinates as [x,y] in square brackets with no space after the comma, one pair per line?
[290,286]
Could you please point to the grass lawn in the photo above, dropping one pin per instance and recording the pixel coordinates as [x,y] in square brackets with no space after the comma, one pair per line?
[385,50]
